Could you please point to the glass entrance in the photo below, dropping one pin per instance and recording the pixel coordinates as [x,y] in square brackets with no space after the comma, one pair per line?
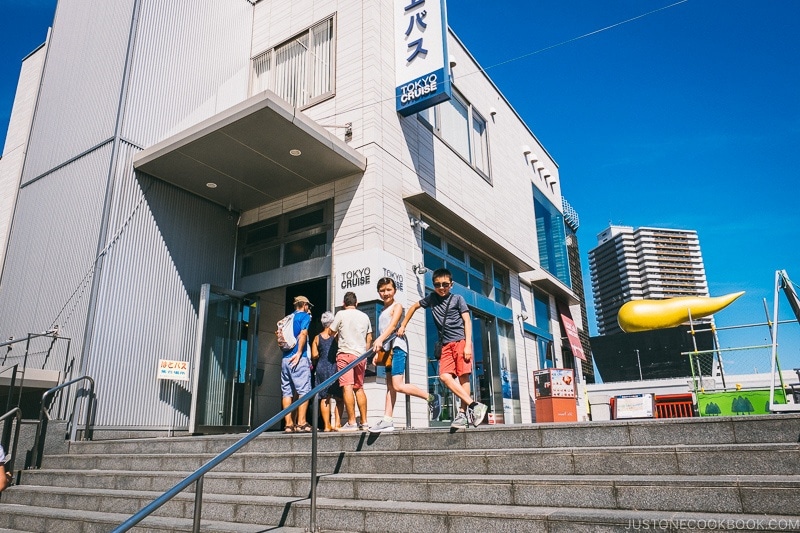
[224,361]
[486,384]
[485,381]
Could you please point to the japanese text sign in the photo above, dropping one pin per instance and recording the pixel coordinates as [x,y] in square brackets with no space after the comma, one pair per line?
[174,370]
[422,70]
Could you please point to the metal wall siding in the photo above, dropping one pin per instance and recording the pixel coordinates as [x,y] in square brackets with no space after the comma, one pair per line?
[149,292]
[191,61]
[79,99]
[52,249]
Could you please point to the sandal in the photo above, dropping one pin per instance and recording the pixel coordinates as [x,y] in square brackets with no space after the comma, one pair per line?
[289,429]
[303,428]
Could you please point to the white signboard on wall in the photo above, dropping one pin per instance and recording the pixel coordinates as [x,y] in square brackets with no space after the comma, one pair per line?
[422,70]
[360,271]
[173,370]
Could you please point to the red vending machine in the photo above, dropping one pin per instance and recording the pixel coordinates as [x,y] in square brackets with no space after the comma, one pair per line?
[554,391]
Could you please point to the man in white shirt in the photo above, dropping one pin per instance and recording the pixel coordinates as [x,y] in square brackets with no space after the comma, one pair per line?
[354,331]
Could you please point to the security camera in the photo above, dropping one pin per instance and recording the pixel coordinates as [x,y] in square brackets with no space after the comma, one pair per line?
[417,222]
[419,269]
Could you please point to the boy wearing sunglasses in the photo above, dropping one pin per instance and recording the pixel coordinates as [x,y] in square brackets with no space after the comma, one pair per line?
[451,314]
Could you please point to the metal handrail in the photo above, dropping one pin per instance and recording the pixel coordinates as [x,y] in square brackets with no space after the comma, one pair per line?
[197,475]
[16,412]
[44,416]
[54,336]
[11,383]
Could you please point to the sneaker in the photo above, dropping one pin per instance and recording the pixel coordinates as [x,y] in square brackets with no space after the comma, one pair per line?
[460,421]
[477,414]
[381,426]
[435,407]
[348,427]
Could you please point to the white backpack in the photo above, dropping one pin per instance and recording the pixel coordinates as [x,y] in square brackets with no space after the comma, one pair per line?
[285,333]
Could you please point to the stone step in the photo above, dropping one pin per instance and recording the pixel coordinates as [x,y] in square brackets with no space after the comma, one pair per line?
[734,494]
[679,431]
[726,459]
[28,519]
[402,517]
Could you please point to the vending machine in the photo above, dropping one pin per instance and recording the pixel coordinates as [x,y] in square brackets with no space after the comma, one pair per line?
[554,392]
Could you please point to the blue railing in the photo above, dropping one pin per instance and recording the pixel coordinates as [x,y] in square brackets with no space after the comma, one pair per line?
[197,476]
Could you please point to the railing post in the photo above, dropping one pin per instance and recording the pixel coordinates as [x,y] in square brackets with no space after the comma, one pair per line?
[408,398]
[7,427]
[198,503]
[314,423]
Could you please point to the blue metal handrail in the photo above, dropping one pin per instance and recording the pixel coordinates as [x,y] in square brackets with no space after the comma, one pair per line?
[197,475]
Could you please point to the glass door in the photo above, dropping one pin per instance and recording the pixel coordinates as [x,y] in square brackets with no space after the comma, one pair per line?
[224,361]
[486,385]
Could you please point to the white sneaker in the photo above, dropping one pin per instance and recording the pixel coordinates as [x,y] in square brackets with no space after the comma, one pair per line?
[460,421]
[382,426]
[477,414]
[349,427]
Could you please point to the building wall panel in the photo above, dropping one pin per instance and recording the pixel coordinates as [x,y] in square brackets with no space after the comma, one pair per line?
[190,62]
[16,146]
[79,100]
[47,275]
[163,244]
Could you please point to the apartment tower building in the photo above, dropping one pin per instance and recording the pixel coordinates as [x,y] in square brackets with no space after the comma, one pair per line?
[644,263]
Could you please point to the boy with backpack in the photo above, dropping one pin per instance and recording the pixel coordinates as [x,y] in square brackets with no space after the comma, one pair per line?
[451,314]
[295,366]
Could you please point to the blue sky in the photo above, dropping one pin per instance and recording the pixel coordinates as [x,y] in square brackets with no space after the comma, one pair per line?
[688,117]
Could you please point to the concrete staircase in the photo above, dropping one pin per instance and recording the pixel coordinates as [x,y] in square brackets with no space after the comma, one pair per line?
[727,473]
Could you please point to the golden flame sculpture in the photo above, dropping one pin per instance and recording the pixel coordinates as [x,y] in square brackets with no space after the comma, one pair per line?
[644,315]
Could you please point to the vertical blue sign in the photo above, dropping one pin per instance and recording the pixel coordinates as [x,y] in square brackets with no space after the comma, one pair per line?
[421,63]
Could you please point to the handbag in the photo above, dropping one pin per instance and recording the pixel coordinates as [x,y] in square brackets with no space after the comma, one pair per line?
[384,357]
[437,348]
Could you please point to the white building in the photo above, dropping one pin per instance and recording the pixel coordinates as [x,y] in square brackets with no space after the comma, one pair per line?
[190,167]
[645,263]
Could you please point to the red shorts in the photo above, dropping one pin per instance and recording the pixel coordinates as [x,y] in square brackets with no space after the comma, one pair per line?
[353,377]
[452,361]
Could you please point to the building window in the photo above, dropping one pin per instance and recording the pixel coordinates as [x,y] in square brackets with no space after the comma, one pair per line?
[502,291]
[541,310]
[299,70]
[462,128]
[469,270]
[286,239]
[551,237]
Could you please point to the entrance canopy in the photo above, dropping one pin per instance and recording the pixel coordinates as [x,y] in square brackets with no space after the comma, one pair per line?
[256,152]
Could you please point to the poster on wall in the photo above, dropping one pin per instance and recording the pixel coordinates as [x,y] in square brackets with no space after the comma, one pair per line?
[572,333]
[422,70]
[173,370]
[359,272]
